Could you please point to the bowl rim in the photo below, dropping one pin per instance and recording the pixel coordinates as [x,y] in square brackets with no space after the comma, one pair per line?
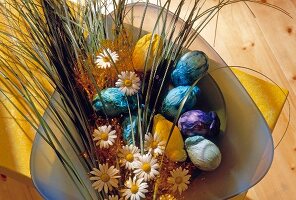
[37,137]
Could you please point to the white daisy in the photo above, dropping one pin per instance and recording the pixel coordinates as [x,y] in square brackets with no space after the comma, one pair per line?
[146,167]
[104,136]
[179,179]
[154,144]
[105,177]
[135,190]
[106,59]
[128,155]
[128,82]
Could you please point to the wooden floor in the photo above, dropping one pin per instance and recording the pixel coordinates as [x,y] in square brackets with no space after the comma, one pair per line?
[266,43]
[11,189]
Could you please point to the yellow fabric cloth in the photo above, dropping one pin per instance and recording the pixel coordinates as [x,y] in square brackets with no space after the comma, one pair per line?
[16,136]
[268,97]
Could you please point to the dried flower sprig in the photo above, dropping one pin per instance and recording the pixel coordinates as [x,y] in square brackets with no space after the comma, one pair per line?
[106,59]
[179,180]
[154,144]
[128,156]
[105,178]
[135,189]
[104,136]
[128,82]
[146,167]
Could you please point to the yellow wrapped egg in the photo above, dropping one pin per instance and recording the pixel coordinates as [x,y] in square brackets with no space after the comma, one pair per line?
[175,149]
[141,51]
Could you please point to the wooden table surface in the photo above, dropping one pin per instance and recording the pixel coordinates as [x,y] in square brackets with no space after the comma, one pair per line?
[266,43]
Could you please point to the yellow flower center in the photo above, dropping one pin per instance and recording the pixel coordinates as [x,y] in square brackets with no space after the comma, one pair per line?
[105,177]
[134,189]
[129,157]
[178,180]
[106,59]
[104,136]
[154,144]
[128,82]
[146,167]
[167,197]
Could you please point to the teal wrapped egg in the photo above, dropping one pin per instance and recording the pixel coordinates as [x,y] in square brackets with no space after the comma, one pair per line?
[114,102]
[189,68]
[173,99]
[203,153]
[129,126]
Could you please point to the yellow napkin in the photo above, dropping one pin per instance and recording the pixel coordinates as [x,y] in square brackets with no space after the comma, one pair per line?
[268,97]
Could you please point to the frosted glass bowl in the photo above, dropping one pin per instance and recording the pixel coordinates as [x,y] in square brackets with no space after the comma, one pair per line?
[245,140]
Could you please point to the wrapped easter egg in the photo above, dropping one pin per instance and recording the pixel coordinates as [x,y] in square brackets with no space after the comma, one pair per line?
[141,52]
[203,153]
[129,126]
[197,122]
[175,148]
[115,102]
[173,99]
[189,68]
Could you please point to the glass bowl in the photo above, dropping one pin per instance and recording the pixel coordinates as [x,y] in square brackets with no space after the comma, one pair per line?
[245,140]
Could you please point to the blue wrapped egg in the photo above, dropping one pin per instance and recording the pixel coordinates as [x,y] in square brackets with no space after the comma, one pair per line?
[197,122]
[173,99]
[189,68]
[129,126]
[115,102]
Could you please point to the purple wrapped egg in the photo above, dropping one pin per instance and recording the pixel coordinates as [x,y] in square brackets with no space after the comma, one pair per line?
[197,122]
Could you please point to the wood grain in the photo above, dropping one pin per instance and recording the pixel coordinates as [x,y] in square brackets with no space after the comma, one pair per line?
[266,43]
[11,189]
